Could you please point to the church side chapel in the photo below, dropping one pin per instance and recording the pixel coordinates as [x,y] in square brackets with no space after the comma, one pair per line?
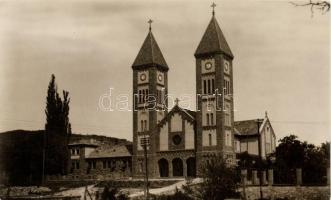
[181,140]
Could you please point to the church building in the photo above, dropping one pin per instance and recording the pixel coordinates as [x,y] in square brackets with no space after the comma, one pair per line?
[181,140]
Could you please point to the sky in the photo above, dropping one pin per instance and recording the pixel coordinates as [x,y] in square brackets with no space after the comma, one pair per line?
[281,59]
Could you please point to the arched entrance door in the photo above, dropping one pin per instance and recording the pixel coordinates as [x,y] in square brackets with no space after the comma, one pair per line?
[163,167]
[177,167]
[191,169]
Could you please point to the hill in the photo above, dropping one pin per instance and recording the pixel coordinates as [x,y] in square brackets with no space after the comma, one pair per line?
[21,154]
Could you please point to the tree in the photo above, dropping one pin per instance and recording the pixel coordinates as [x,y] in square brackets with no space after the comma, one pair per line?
[219,181]
[57,111]
[292,153]
[323,6]
[57,130]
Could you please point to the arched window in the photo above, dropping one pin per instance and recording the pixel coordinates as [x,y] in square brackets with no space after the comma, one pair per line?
[212,118]
[145,124]
[209,137]
[143,96]
[207,115]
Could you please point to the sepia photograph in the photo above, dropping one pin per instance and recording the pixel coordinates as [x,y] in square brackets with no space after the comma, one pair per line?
[165,100]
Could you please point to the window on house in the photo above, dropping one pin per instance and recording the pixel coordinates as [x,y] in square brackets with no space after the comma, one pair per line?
[204,87]
[213,86]
[77,151]
[209,86]
[212,118]
[207,115]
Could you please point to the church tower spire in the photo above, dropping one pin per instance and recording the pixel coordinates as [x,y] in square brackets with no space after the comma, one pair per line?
[150,53]
[150,87]
[213,40]
[214,89]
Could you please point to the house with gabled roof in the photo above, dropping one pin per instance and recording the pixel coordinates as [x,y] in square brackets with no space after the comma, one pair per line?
[251,136]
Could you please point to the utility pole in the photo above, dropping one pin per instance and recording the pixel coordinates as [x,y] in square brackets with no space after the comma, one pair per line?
[145,144]
[260,157]
[44,157]
[244,178]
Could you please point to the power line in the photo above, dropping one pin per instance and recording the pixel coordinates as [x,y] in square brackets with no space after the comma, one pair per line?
[300,122]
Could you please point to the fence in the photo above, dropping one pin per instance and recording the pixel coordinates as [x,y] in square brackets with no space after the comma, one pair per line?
[268,176]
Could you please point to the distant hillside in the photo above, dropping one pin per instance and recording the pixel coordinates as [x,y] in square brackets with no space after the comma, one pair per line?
[21,154]
[111,141]
[9,138]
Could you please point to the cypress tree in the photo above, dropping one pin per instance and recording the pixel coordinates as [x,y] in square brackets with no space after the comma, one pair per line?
[57,130]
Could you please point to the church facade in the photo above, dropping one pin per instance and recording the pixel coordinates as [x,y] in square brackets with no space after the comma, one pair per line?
[181,140]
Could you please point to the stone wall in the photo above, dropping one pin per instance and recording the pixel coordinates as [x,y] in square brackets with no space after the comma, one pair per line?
[289,192]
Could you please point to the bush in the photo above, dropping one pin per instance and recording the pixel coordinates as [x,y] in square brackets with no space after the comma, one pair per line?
[112,194]
[177,196]
[220,182]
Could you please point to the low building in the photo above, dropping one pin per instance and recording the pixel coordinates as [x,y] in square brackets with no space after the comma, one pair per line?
[92,160]
[247,136]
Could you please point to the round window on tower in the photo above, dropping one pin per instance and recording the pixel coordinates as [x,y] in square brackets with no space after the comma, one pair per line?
[176,139]
[208,66]
[160,77]
[143,77]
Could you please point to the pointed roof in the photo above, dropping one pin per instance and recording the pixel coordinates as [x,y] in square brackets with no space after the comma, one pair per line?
[188,114]
[150,53]
[213,40]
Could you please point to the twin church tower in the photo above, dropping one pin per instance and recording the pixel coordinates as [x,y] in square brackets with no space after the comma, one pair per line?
[181,140]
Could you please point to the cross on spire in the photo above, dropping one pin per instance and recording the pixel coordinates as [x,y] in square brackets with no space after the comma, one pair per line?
[176,101]
[213,5]
[150,24]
